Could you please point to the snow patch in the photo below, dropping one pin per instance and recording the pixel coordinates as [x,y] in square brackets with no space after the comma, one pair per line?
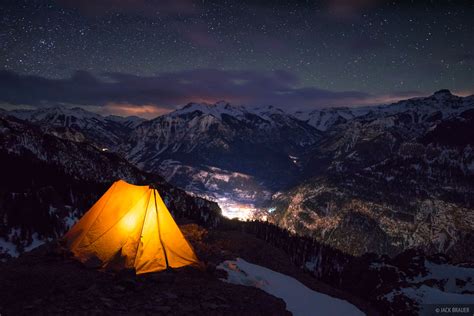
[430,295]
[36,242]
[8,247]
[299,299]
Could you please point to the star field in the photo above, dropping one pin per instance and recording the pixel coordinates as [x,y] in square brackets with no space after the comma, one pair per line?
[377,47]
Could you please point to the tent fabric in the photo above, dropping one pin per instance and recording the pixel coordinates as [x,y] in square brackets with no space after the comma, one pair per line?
[130,227]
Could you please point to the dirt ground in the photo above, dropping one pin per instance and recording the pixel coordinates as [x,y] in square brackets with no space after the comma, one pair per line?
[46,281]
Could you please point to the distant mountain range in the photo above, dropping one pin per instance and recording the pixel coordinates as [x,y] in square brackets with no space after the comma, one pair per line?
[397,177]
[80,125]
[371,179]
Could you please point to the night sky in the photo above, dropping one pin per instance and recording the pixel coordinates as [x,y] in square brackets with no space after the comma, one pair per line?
[147,57]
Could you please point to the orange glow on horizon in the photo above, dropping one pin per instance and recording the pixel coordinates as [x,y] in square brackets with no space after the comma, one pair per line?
[147,111]
[464,93]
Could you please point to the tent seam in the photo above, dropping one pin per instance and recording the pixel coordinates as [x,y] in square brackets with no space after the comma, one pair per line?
[92,242]
[98,215]
[141,230]
[159,230]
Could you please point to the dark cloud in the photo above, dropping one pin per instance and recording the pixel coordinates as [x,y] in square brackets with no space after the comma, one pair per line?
[168,90]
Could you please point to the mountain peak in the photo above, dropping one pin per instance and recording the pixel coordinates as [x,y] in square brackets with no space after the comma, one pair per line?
[216,109]
[222,103]
[443,93]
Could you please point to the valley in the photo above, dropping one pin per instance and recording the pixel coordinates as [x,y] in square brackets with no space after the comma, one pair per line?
[387,173]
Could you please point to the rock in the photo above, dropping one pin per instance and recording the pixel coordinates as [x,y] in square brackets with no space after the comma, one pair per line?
[170,295]
[188,308]
[209,306]
[107,301]
[92,289]
[128,283]
[166,277]
[222,299]
[210,268]
[162,308]
[119,288]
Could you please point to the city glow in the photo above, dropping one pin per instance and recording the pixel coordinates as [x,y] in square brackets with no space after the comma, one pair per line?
[232,209]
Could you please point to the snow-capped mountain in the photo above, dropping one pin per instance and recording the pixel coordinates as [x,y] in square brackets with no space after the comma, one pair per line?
[221,148]
[398,177]
[323,119]
[441,103]
[80,125]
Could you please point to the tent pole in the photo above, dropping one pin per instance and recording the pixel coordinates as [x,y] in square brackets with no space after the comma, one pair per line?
[141,231]
[159,230]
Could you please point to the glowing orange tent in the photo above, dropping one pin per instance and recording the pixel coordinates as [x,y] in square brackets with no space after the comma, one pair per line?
[130,227]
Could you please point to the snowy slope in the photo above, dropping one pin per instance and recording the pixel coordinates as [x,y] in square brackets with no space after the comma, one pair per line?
[300,300]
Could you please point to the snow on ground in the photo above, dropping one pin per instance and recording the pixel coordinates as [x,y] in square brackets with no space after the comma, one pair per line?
[445,290]
[299,299]
[449,274]
[8,247]
[429,295]
[445,271]
[36,242]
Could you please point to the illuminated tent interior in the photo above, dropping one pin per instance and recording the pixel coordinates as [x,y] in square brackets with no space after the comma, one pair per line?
[130,227]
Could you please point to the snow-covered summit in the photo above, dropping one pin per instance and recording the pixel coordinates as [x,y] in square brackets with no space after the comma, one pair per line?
[221,108]
[443,94]
[323,119]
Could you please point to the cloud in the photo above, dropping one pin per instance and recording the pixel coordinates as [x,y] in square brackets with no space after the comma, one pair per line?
[166,91]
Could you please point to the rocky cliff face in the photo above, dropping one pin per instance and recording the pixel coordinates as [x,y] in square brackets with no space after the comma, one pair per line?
[398,177]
